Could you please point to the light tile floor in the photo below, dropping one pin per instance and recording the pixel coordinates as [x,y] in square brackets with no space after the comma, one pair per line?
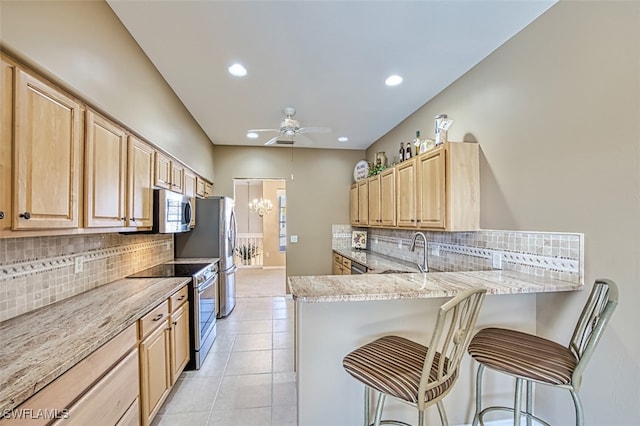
[247,378]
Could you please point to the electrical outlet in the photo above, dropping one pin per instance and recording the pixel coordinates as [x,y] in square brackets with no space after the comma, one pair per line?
[78,264]
[168,245]
[399,244]
[375,240]
[435,250]
[497,260]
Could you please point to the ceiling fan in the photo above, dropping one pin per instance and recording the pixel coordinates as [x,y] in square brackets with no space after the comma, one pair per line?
[290,128]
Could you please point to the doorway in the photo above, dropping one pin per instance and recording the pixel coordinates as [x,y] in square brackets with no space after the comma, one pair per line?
[261,212]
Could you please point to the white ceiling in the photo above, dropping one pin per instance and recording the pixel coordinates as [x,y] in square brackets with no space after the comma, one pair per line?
[328,59]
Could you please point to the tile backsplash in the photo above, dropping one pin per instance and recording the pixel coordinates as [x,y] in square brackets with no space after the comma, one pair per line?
[547,254]
[35,272]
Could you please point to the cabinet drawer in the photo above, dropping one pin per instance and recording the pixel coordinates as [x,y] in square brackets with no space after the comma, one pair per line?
[153,319]
[178,298]
[106,402]
[337,258]
[346,262]
[132,416]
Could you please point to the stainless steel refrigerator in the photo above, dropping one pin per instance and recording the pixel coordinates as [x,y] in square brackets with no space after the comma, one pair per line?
[215,235]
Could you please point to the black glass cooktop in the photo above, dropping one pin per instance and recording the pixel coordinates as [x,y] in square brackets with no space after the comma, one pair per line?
[171,270]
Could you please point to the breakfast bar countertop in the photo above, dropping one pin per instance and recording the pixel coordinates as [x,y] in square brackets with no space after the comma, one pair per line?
[345,288]
[41,345]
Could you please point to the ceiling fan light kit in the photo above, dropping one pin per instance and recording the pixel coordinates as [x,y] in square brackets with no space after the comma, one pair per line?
[290,128]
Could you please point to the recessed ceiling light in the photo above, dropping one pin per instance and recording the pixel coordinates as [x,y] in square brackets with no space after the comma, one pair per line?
[343,139]
[252,135]
[237,70]
[393,80]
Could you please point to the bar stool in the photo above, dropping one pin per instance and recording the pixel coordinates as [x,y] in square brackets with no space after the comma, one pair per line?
[530,358]
[418,375]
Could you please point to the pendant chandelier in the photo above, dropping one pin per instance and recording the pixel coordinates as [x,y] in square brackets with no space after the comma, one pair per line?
[261,206]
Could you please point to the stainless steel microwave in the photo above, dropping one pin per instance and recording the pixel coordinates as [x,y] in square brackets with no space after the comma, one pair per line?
[172,212]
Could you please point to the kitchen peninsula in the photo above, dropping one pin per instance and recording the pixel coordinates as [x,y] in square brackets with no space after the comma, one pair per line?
[336,314]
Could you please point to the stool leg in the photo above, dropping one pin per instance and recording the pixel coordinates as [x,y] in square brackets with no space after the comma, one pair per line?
[378,417]
[367,399]
[529,402]
[420,418]
[476,416]
[517,403]
[443,414]
[578,404]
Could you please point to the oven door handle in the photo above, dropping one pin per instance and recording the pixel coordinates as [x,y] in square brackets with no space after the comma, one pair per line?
[208,283]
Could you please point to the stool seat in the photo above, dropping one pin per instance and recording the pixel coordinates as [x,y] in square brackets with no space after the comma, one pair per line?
[393,365]
[524,355]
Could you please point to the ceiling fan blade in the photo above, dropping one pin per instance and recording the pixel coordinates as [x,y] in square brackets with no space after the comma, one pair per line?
[271,141]
[314,130]
[263,130]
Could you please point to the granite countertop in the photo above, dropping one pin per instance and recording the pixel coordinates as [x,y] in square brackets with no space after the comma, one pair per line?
[345,288]
[377,263]
[41,345]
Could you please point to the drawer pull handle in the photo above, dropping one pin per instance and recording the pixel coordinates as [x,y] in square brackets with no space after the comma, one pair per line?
[175,323]
[25,215]
[181,298]
[1,215]
[158,318]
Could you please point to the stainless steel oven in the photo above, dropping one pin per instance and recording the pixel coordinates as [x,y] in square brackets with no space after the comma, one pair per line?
[205,307]
[203,302]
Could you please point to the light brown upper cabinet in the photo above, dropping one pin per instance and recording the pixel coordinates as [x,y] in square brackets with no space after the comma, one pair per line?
[208,189]
[47,154]
[189,183]
[353,204]
[388,197]
[363,202]
[105,172]
[446,186]
[406,193]
[374,201]
[140,183]
[7,72]
[200,187]
[162,170]
[177,177]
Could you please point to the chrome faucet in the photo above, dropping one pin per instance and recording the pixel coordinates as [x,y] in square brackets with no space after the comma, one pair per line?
[425,266]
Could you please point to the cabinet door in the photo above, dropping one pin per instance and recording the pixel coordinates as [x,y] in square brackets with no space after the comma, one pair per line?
[431,190]
[140,182]
[177,177]
[388,197]
[162,171]
[406,193]
[7,72]
[105,172]
[189,183]
[200,187]
[337,264]
[208,189]
[47,156]
[353,204]
[155,377]
[179,341]
[374,200]
[363,202]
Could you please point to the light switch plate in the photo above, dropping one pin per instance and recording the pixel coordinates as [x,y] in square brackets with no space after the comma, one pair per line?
[497,260]
[294,239]
[78,264]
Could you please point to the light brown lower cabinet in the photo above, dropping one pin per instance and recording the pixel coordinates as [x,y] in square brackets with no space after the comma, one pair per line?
[164,351]
[101,390]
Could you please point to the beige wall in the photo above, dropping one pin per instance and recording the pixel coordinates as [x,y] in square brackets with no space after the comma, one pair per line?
[556,111]
[317,196]
[272,254]
[82,46]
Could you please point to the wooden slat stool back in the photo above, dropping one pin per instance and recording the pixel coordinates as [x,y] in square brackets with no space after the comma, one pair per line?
[530,358]
[418,375]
